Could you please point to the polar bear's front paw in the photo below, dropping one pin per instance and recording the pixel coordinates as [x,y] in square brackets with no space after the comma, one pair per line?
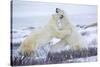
[26,52]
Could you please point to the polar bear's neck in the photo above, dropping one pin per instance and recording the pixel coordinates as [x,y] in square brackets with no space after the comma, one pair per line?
[59,24]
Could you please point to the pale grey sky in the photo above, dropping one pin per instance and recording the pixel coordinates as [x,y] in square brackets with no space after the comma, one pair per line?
[29,13]
[28,8]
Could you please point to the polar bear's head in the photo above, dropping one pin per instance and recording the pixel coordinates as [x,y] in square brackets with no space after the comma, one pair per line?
[59,18]
[59,13]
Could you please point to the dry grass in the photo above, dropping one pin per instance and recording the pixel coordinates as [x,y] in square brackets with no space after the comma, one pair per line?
[54,58]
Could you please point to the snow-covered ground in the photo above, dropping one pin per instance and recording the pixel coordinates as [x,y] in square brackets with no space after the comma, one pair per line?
[87,59]
[89,34]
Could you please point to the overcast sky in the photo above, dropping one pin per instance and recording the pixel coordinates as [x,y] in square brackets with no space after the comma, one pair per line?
[28,8]
[29,13]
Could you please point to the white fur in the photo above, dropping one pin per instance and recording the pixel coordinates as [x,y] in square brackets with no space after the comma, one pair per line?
[67,34]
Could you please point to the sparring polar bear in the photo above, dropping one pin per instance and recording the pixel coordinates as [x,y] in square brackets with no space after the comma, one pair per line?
[58,27]
[54,28]
[73,39]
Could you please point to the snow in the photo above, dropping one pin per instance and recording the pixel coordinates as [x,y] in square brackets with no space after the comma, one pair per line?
[86,59]
[19,35]
[42,52]
[54,41]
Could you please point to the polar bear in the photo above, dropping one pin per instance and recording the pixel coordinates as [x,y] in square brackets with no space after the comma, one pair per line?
[58,27]
[55,28]
[73,38]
